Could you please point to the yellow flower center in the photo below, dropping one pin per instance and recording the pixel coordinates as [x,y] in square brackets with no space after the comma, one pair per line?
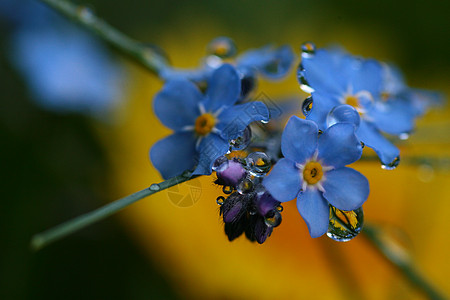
[385,96]
[312,172]
[205,124]
[352,100]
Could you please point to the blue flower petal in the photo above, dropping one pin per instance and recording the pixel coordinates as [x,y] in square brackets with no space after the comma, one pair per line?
[368,77]
[323,103]
[211,147]
[421,100]
[299,139]
[372,138]
[233,120]
[395,116]
[326,71]
[271,63]
[284,181]
[345,188]
[338,145]
[315,210]
[174,154]
[196,75]
[224,88]
[176,105]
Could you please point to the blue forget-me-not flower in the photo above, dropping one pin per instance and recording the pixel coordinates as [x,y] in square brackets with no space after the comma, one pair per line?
[268,61]
[313,171]
[204,125]
[334,77]
[66,70]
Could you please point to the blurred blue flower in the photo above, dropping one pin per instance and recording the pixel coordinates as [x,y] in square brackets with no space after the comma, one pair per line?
[268,61]
[65,69]
[334,77]
[314,172]
[203,124]
[395,92]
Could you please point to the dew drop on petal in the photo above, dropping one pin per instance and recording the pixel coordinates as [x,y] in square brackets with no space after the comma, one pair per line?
[272,218]
[227,189]
[343,114]
[86,14]
[392,165]
[155,187]
[404,136]
[308,49]
[258,163]
[243,141]
[252,210]
[220,164]
[280,208]
[345,225]
[307,106]
[222,47]
[304,85]
[220,200]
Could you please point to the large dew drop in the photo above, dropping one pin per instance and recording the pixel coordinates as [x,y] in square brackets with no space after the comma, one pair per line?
[258,163]
[344,225]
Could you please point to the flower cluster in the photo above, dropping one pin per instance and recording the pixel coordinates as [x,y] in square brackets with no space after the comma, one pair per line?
[354,102]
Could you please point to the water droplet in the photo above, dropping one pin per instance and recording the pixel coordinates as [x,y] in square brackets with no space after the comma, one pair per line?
[245,186]
[307,106]
[404,136]
[155,187]
[273,218]
[344,225]
[304,85]
[343,114]
[248,84]
[86,14]
[220,200]
[227,189]
[392,165]
[308,49]
[280,208]
[252,210]
[223,47]
[220,164]
[258,163]
[425,173]
[242,142]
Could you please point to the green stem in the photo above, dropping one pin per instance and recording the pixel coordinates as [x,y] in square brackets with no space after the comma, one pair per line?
[146,56]
[405,266]
[43,239]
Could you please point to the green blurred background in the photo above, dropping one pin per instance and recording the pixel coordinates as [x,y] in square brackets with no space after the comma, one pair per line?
[55,166]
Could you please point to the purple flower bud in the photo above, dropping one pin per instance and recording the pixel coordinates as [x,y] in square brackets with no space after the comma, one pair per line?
[266,203]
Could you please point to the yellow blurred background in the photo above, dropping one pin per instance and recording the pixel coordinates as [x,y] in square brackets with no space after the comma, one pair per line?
[59,166]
